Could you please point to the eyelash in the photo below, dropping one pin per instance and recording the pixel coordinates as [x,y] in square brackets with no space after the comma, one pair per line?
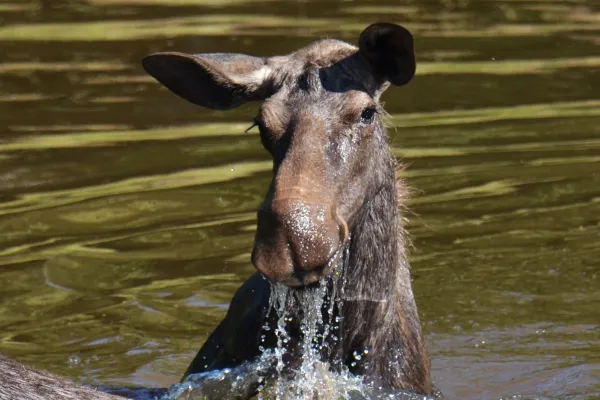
[256,122]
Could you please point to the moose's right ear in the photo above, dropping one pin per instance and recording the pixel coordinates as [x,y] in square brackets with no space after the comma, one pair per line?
[389,50]
[219,80]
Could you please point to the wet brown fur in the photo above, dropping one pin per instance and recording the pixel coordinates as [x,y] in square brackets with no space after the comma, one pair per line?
[20,382]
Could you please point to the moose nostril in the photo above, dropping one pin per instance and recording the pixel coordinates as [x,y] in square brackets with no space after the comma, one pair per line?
[344,232]
[306,277]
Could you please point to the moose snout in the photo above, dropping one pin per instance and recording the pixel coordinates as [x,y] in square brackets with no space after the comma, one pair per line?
[297,241]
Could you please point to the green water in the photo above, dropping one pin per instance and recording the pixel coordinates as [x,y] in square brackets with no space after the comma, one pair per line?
[127,215]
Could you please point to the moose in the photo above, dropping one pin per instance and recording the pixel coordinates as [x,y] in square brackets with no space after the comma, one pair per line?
[334,202]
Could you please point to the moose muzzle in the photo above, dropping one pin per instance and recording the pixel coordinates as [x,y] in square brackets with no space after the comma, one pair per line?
[297,241]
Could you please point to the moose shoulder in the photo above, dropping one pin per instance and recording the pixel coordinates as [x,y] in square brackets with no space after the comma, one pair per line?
[334,191]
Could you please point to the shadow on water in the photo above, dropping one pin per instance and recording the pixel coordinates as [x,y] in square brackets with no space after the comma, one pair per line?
[127,215]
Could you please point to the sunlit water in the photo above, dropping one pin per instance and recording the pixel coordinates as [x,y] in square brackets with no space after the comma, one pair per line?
[127,216]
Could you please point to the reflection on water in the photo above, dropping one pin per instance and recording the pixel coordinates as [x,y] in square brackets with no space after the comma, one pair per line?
[127,216]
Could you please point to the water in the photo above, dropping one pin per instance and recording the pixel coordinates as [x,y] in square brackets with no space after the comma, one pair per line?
[238,382]
[241,381]
[314,379]
[127,216]
[307,381]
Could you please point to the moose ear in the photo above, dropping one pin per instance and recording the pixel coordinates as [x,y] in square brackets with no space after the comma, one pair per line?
[390,51]
[219,81]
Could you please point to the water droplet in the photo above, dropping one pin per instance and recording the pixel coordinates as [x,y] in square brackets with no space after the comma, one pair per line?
[74,361]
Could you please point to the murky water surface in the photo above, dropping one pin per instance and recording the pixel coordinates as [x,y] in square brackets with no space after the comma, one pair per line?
[127,215]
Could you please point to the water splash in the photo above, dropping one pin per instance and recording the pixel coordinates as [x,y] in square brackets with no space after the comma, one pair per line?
[229,383]
[311,301]
[315,311]
[278,302]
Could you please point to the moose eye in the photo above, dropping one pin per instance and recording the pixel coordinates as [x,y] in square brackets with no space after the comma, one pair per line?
[366,117]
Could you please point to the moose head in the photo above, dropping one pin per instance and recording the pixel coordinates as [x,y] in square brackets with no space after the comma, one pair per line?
[321,121]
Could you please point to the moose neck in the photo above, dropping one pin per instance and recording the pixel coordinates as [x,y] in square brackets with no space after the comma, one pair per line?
[380,314]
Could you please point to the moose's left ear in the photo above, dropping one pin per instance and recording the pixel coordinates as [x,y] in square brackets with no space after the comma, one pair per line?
[390,51]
